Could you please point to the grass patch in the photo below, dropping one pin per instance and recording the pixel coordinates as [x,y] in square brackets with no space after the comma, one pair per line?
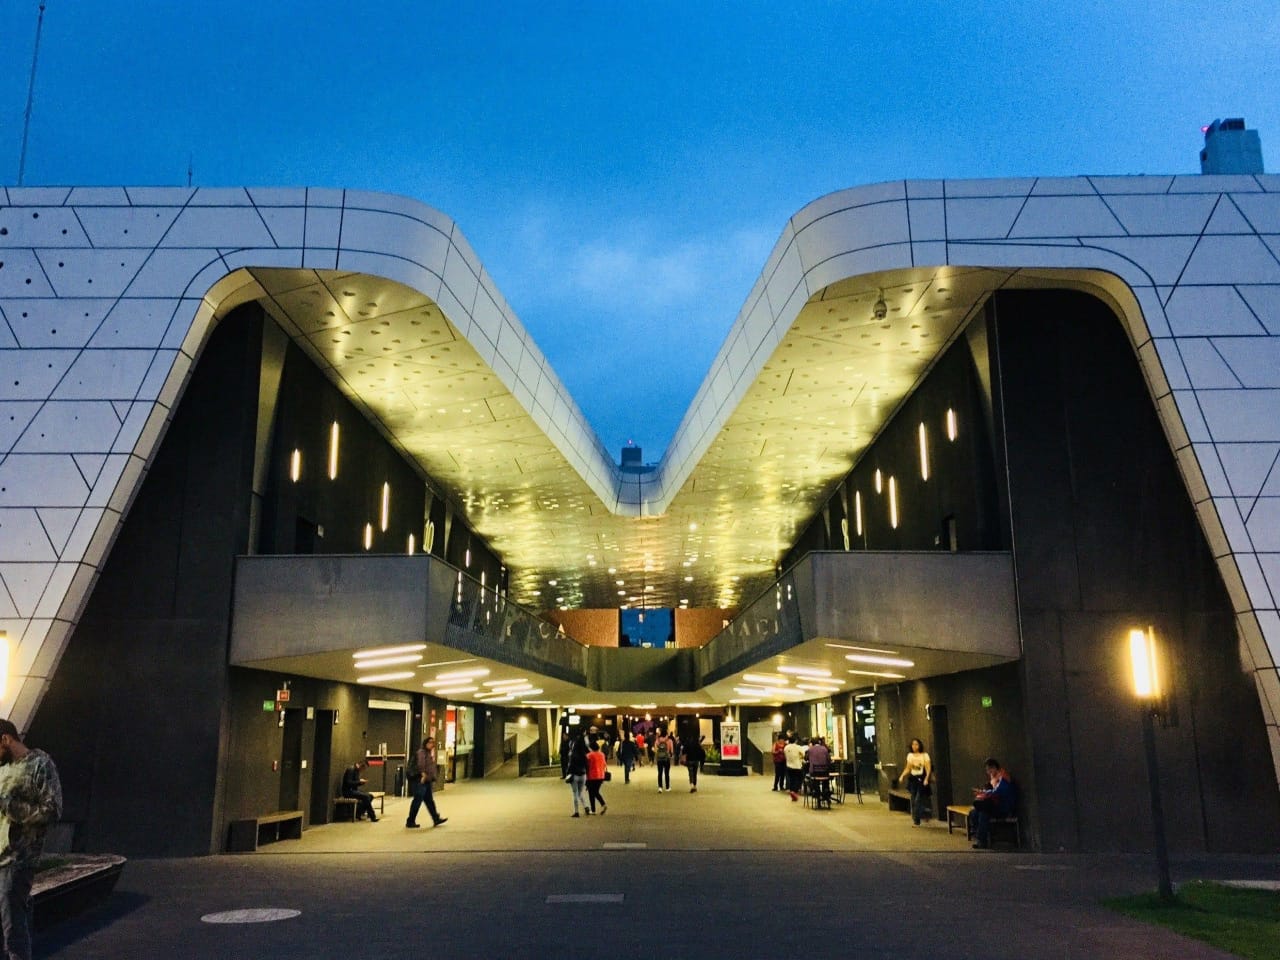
[1242,921]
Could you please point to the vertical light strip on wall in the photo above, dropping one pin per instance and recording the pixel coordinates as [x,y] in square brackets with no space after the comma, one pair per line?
[295,465]
[924,453]
[386,505]
[412,544]
[951,424]
[857,510]
[893,503]
[368,536]
[879,483]
[333,451]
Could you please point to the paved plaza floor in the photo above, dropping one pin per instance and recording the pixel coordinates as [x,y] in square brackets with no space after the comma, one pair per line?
[734,870]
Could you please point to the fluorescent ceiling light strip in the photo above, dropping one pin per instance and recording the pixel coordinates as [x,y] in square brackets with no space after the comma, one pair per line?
[505,683]
[448,663]
[763,678]
[388,651]
[805,671]
[873,673]
[385,677]
[385,661]
[741,700]
[810,687]
[847,646]
[879,661]
[451,690]
[463,674]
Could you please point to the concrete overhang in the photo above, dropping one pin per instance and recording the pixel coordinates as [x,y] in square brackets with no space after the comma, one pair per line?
[313,616]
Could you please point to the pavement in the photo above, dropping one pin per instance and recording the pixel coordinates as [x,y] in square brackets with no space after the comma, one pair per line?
[734,870]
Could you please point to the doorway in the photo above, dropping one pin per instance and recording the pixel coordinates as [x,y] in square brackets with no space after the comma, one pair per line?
[291,760]
[321,761]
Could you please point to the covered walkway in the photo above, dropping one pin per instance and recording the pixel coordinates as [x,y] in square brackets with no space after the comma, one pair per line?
[727,813]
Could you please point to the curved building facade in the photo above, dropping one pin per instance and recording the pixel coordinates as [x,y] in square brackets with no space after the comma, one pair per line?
[368,391]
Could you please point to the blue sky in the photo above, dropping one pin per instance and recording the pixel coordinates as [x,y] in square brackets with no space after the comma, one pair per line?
[623,169]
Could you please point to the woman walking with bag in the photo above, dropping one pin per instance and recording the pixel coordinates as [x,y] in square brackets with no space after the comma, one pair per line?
[596,773]
[918,770]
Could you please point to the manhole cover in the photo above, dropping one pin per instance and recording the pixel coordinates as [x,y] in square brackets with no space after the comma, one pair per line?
[261,915]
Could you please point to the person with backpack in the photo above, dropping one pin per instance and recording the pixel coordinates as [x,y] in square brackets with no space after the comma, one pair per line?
[692,755]
[663,749]
[423,773]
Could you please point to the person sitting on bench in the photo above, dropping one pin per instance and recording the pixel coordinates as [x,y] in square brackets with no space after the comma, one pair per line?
[351,784]
[996,801]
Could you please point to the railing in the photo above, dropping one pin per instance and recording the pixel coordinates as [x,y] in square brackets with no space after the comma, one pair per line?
[769,624]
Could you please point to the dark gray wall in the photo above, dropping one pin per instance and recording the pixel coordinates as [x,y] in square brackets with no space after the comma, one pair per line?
[1105,539]
[137,712]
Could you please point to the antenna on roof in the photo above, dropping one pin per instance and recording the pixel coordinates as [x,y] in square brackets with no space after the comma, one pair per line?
[31,93]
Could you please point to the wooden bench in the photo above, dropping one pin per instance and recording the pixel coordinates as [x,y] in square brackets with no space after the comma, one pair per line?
[900,800]
[961,813]
[245,836]
[350,803]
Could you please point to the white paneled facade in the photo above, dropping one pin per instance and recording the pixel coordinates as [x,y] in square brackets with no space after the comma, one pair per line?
[107,294]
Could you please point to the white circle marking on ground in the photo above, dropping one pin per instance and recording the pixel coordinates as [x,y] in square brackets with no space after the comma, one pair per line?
[259,915]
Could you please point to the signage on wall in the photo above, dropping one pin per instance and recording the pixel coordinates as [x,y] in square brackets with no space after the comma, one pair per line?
[268,706]
[282,696]
[986,701]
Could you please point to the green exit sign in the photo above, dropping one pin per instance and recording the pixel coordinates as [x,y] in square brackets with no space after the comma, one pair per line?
[268,706]
[986,701]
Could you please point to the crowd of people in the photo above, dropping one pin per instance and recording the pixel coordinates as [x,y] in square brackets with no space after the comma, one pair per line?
[585,755]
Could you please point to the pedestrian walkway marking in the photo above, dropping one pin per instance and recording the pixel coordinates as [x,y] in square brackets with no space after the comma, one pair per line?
[625,846]
[584,898]
[262,915]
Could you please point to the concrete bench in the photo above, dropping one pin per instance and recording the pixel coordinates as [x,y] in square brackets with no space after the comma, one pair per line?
[349,804]
[246,835]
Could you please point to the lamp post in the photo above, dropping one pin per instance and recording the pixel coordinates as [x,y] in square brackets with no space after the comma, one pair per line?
[1146,687]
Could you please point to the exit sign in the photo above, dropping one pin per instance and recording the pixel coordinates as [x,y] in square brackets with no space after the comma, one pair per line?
[986,701]
[268,706]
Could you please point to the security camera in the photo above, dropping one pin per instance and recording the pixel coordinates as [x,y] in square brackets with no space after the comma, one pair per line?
[881,309]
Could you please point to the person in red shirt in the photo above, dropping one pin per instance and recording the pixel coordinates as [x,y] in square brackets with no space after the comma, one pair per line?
[596,763]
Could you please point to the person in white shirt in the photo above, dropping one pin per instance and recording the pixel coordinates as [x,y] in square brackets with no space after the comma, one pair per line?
[794,754]
[918,772]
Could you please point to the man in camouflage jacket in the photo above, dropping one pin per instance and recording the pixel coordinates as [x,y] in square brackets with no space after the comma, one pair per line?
[30,800]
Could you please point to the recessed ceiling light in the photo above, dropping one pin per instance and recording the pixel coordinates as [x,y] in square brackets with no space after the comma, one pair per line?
[463,674]
[805,671]
[389,651]
[386,677]
[879,661]
[874,673]
[370,662]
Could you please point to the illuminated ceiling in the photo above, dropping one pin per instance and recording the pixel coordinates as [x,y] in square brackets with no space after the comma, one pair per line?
[824,393]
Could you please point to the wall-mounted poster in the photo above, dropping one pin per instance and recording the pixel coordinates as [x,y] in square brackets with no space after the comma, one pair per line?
[840,742]
[730,740]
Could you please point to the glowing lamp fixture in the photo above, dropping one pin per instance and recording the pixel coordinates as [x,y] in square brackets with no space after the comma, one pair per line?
[857,510]
[386,506]
[952,431]
[876,673]
[1142,657]
[893,503]
[333,450]
[295,465]
[924,453]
